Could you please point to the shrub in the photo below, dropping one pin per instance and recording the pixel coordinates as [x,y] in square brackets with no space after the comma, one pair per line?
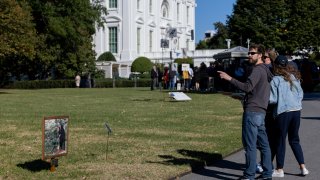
[187,60]
[42,84]
[99,74]
[141,65]
[106,56]
[69,83]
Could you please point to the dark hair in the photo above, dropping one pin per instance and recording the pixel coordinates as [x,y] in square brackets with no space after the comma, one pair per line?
[259,47]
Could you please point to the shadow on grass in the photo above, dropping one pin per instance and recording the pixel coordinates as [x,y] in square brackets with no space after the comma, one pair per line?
[35,165]
[4,93]
[142,99]
[200,163]
[196,159]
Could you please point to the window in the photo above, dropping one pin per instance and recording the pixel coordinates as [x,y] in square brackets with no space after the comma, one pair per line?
[113,39]
[178,11]
[138,40]
[188,15]
[178,43]
[164,13]
[113,3]
[150,6]
[138,4]
[187,45]
[150,40]
[165,9]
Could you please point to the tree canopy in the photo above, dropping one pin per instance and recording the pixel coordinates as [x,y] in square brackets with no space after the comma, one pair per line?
[280,24]
[66,29]
[48,39]
[17,38]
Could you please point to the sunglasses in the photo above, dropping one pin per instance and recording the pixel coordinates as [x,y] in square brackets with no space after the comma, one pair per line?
[252,53]
[266,57]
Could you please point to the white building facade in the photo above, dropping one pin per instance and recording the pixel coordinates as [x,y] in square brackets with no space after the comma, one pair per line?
[135,28]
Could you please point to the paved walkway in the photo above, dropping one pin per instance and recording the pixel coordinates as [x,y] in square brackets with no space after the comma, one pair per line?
[232,166]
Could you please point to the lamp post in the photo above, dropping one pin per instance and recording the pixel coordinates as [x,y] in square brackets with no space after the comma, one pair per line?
[228,43]
[248,42]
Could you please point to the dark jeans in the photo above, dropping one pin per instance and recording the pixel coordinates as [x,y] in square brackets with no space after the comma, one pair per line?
[288,123]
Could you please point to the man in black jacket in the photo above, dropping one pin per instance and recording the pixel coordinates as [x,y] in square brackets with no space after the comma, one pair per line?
[257,89]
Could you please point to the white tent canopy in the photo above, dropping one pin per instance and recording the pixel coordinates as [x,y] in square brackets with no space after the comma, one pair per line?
[236,52]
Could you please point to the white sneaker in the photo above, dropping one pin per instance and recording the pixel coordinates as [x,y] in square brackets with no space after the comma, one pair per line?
[259,168]
[304,171]
[278,173]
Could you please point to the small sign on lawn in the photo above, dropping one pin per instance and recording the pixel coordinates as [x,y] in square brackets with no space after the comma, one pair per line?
[54,136]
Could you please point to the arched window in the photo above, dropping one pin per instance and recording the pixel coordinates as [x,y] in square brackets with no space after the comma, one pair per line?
[165,9]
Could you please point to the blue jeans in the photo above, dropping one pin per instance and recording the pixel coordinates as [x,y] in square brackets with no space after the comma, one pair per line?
[172,85]
[253,133]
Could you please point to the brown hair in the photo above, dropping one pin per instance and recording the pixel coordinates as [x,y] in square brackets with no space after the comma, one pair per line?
[286,72]
[272,54]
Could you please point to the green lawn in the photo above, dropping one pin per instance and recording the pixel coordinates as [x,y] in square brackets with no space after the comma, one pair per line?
[152,137]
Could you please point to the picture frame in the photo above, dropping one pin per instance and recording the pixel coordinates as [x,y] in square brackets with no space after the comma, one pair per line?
[55,136]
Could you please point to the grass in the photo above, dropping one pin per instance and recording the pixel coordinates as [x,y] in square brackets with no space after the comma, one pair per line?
[152,137]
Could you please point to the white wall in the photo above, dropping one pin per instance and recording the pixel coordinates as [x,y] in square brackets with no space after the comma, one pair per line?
[127,18]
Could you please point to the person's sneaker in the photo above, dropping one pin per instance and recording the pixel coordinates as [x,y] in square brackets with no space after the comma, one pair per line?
[304,171]
[259,168]
[278,173]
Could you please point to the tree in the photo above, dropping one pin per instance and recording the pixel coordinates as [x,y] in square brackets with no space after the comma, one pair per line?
[17,33]
[280,24]
[202,45]
[260,21]
[304,24]
[17,38]
[218,39]
[65,29]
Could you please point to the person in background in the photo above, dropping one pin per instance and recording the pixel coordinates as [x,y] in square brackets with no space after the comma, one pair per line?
[191,74]
[257,93]
[172,77]
[166,77]
[160,76]
[196,79]
[185,77]
[204,77]
[211,71]
[77,80]
[154,77]
[287,94]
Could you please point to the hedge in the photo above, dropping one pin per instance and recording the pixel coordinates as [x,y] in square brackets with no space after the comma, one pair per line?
[100,83]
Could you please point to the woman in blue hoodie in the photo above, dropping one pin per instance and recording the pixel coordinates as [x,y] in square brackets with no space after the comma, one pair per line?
[287,94]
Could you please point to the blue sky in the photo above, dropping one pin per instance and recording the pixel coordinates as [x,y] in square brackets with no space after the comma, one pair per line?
[209,12]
